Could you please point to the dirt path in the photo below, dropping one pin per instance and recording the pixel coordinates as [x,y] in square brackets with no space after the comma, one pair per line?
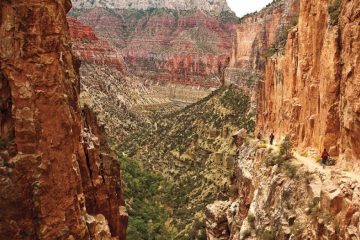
[313,166]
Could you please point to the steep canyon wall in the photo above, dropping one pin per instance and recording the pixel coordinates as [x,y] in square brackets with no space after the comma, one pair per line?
[59,179]
[306,57]
[311,91]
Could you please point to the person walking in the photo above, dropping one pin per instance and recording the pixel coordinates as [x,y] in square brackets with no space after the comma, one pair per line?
[272,136]
[324,157]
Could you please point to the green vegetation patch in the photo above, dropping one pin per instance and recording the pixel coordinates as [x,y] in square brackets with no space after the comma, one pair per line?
[190,150]
[334,10]
[144,191]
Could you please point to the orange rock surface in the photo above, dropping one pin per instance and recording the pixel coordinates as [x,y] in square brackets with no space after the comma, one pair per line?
[312,91]
[55,167]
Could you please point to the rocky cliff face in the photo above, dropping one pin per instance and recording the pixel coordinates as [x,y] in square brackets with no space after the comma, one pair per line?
[59,180]
[306,92]
[216,6]
[309,91]
[92,49]
[258,35]
[186,46]
[299,49]
[295,199]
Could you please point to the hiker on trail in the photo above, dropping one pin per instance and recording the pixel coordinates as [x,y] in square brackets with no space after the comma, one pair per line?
[272,136]
[324,157]
[259,136]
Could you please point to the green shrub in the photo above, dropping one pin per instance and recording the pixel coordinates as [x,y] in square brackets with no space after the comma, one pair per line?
[334,10]
[251,220]
[147,216]
[268,235]
[286,148]
[246,233]
[290,169]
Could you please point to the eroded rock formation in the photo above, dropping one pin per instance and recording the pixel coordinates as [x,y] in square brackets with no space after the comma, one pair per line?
[309,91]
[92,49]
[178,45]
[305,57]
[294,200]
[216,6]
[310,77]
[56,168]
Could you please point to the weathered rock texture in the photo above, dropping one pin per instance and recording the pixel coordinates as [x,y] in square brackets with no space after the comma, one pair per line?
[312,90]
[288,201]
[56,168]
[184,46]
[214,6]
[307,68]
[92,49]
[255,35]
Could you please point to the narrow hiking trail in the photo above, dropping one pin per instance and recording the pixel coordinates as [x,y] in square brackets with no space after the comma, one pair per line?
[312,165]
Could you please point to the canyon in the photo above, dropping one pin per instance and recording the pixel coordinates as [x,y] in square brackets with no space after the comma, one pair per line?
[150,120]
[165,42]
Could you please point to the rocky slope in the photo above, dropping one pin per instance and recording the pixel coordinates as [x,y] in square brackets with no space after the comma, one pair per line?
[192,151]
[122,101]
[164,43]
[59,179]
[285,198]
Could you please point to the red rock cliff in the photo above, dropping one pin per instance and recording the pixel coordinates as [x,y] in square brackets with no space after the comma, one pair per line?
[92,49]
[58,180]
[308,60]
[312,90]
[187,47]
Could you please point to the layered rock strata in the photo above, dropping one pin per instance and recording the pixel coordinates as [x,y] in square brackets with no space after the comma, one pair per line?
[183,46]
[58,180]
[92,49]
[216,6]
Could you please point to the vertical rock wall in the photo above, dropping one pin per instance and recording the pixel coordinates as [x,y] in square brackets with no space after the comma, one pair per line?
[310,91]
[52,178]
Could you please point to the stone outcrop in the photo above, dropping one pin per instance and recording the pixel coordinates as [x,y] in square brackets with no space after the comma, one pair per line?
[182,46]
[59,179]
[291,200]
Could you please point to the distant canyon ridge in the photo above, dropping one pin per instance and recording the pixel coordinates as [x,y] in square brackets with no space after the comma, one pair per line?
[187,42]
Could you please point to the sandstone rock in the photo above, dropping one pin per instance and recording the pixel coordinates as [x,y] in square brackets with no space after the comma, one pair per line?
[48,181]
[90,48]
[98,227]
[216,225]
[332,200]
[298,98]
[188,48]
